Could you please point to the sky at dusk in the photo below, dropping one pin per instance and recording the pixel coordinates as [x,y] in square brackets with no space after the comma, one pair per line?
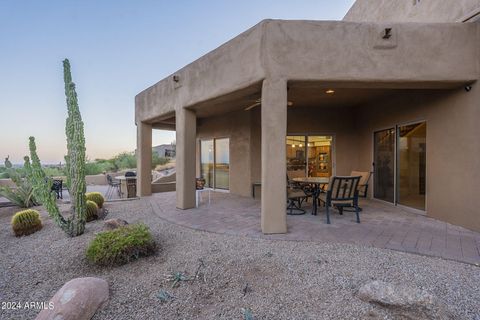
[117,48]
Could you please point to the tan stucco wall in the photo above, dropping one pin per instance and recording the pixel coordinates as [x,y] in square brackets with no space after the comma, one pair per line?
[163,187]
[417,54]
[453,151]
[410,11]
[236,127]
[234,65]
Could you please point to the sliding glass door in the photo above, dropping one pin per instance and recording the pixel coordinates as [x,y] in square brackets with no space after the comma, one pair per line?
[215,163]
[411,158]
[384,170]
[400,165]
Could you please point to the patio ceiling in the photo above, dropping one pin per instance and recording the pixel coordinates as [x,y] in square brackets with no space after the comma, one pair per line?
[300,94]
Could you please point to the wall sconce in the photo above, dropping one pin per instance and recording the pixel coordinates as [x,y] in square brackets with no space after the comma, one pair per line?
[387,34]
[176,78]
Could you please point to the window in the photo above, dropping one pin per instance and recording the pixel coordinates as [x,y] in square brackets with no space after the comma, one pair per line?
[309,156]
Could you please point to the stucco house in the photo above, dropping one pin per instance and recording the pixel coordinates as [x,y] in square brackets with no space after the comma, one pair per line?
[391,90]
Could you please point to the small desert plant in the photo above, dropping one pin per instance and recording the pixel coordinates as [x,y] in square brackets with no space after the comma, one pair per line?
[164,296]
[121,245]
[96,197]
[22,195]
[247,314]
[92,211]
[26,222]
[176,278]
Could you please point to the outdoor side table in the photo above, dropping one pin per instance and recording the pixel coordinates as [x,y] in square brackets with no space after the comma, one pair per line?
[199,196]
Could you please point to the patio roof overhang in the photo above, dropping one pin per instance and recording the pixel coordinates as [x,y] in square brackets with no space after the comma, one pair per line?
[416,55]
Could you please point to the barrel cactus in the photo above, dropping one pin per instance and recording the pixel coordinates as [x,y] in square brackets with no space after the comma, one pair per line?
[92,211]
[26,222]
[96,197]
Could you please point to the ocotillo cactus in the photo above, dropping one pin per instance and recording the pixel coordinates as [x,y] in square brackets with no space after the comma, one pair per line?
[74,225]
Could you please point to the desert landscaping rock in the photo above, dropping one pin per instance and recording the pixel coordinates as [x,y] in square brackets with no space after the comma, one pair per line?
[404,301]
[286,279]
[111,224]
[78,299]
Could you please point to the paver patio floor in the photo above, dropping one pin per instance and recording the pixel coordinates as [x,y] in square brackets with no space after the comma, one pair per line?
[382,226]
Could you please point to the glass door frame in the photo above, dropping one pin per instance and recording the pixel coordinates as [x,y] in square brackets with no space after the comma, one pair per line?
[396,170]
[214,162]
[333,148]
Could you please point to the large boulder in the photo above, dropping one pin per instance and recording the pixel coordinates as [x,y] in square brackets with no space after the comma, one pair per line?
[78,299]
[404,302]
[111,224]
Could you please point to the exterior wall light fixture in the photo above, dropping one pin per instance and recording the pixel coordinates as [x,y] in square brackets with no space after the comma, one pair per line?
[387,34]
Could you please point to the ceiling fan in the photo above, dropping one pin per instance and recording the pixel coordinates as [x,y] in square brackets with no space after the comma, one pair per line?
[258,102]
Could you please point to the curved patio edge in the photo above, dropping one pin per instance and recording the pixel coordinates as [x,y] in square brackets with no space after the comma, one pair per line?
[382,227]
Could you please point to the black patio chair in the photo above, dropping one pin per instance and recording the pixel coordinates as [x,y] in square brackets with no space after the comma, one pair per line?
[364,181]
[57,187]
[113,186]
[342,193]
[295,197]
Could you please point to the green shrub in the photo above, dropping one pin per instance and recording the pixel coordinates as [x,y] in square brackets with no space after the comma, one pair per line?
[92,211]
[96,197]
[93,168]
[26,222]
[121,245]
[125,160]
[53,172]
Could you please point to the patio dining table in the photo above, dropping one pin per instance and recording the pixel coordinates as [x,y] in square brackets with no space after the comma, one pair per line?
[317,183]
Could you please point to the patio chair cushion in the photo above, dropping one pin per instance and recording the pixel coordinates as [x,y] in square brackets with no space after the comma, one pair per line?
[363,177]
[295,194]
[323,198]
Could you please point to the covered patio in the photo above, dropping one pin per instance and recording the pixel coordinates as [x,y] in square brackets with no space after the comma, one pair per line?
[235,110]
[383,226]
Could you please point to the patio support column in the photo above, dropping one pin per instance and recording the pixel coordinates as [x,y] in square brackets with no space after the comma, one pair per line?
[274,169]
[144,159]
[186,131]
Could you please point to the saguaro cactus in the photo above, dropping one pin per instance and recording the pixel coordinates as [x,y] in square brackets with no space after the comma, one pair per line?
[73,225]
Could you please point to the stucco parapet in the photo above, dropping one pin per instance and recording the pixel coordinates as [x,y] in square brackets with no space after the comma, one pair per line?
[429,53]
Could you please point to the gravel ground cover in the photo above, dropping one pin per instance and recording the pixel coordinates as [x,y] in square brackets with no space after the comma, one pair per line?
[270,279]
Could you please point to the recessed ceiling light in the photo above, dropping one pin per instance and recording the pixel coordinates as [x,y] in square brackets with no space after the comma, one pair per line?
[330,91]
